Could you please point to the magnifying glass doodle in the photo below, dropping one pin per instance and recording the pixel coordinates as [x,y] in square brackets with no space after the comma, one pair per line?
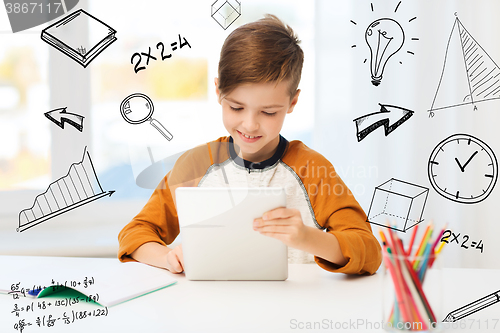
[138,108]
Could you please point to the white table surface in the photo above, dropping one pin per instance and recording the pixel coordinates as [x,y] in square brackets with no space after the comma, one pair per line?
[309,295]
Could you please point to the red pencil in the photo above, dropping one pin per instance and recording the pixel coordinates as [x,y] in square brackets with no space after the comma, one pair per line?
[418,285]
[439,236]
[397,285]
[412,240]
[418,307]
[402,285]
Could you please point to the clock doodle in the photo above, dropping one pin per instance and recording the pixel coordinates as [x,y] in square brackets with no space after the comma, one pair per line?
[463,168]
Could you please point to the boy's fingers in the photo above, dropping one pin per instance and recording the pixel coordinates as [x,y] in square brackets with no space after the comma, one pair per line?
[276,235]
[176,266]
[279,213]
[179,265]
[174,263]
[180,256]
[261,223]
[278,229]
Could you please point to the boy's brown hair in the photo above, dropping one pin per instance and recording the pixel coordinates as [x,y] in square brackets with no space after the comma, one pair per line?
[263,51]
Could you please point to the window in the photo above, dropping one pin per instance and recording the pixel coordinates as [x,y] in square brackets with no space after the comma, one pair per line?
[36,78]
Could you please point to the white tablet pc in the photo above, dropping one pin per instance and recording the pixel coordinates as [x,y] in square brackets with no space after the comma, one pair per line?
[218,240]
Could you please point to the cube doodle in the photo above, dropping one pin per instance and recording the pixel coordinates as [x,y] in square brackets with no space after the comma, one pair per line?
[226,12]
[397,201]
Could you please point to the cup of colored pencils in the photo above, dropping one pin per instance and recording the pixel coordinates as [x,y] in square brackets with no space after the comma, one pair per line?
[412,280]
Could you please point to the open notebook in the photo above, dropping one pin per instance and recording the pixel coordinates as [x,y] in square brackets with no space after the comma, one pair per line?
[108,284]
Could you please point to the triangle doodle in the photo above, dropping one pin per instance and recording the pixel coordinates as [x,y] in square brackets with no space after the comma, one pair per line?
[469,74]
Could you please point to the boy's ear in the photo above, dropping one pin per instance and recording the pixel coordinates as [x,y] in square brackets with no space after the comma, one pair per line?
[294,101]
[217,92]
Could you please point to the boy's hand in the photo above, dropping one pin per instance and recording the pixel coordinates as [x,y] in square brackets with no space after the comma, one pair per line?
[284,224]
[175,260]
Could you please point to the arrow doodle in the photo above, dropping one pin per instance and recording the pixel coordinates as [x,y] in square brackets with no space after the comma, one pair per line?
[60,116]
[382,118]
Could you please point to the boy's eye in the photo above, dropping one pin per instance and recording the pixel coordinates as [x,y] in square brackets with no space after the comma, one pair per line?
[269,113]
[236,109]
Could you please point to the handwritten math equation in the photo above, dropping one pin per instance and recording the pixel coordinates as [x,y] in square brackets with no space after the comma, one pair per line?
[49,312]
[163,53]
[17,291]
[67,318]
[43,305]
[447,234]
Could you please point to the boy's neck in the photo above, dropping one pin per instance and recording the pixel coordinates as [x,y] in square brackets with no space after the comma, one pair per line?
[265,153]
[256,161]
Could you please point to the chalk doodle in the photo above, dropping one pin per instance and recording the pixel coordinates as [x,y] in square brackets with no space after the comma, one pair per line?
[66,36]
[370,122]
[399,201]
[163,54]
[225,12]
[137,109]
[448,233]
[385,37]
[80,186]
[473,307]
[61,116]
[479,82]
[457,160]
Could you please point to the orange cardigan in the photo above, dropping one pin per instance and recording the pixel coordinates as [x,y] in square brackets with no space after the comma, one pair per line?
[312,178]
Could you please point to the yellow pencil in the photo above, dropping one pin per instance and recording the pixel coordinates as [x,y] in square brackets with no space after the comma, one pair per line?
[440,247]
[423,244]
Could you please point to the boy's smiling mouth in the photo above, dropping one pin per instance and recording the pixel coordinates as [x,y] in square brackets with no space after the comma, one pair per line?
[248,138]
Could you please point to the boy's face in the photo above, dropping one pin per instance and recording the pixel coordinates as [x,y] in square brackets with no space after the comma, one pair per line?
[253,114]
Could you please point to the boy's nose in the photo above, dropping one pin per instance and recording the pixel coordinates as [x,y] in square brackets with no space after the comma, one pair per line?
[250,124]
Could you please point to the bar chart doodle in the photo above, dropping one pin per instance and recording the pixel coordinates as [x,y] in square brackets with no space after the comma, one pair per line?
[478,83]
[77,188]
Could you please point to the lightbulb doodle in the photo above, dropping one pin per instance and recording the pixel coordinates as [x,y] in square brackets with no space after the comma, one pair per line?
[469,74]
[385,37]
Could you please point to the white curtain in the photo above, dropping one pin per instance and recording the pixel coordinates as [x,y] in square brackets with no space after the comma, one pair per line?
[344,92]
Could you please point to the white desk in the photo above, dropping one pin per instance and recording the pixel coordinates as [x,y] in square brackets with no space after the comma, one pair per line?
[309,295]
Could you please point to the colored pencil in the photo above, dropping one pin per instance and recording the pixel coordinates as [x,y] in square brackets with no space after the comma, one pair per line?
[397,285]
[436,253]
[440,248]
[418,285]
[402,283]
[417,299]
[422,246]
[411,303]
[439,236]
[415,229]
[425,262]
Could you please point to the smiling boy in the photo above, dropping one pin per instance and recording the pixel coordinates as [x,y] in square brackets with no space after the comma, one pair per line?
[257,86]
